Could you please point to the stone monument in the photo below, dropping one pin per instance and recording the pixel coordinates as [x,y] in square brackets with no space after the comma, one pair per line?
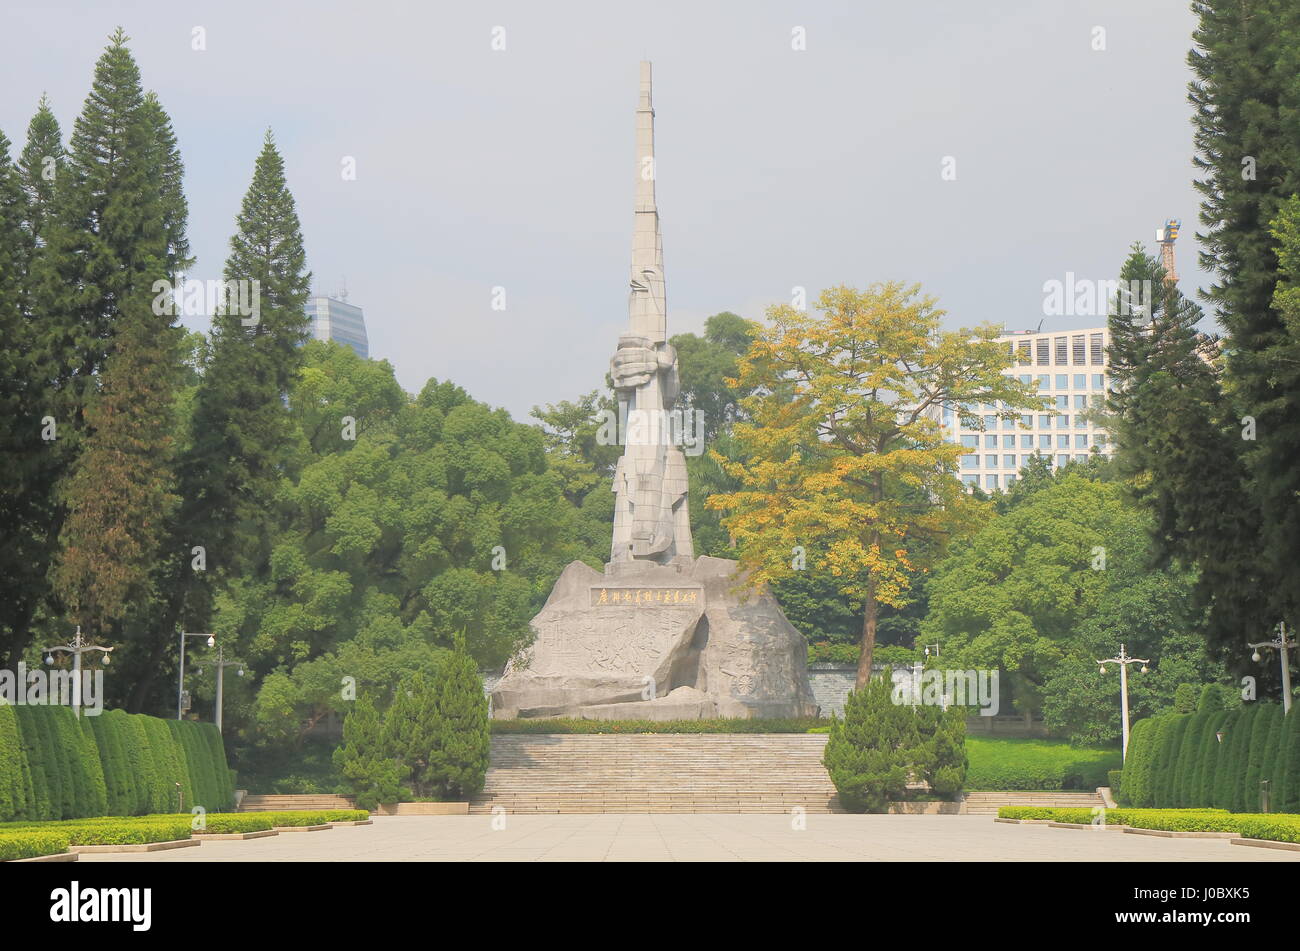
[660,634]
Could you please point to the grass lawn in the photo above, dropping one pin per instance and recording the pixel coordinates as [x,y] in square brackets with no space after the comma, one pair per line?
[1018,763]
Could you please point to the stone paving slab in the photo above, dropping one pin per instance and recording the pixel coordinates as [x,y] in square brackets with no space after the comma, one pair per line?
[706,838]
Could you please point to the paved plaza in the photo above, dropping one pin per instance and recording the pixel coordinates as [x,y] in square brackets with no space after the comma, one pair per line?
[697,837]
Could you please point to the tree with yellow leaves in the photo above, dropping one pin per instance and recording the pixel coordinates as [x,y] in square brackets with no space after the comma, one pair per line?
[843,464]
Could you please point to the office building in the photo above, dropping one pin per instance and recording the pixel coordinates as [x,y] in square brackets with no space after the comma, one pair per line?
[333,318]
[1070,369]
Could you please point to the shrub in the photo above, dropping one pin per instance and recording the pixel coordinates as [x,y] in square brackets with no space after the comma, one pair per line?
[1232,766]
[1275,827]
[30,843]
[1185,698]
[1266,717]
[1113,780]
[1171,739]
[461,742]
[14,785]
[228,823]
[315,818]
[372,776]
[871,752]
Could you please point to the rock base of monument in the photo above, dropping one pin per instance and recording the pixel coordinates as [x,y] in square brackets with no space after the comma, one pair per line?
[657,642]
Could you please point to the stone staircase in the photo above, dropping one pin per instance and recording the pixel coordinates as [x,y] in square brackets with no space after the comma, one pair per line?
[285,803]
[987,803]
[755,772]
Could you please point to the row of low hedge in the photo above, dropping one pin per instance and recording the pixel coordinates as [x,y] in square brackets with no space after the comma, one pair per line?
[1214,758]
[56,766]
[20,840]
[1276,827]
[718,725]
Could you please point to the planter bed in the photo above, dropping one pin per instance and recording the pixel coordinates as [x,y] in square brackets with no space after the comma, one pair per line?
[232,836]
[319,828]
[1168,834]
[56,857]
[1267,844]
[1104,827]
[137,846]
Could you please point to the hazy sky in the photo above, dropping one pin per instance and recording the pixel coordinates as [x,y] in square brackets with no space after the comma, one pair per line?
[776,168]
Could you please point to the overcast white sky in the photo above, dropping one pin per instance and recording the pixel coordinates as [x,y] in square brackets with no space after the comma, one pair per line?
[776,168]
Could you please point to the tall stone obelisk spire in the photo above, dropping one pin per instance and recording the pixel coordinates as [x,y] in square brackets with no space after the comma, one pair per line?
[651,520]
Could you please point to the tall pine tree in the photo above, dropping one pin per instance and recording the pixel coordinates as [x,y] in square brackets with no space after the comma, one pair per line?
[1176,446]
[1246,95]
[118,228]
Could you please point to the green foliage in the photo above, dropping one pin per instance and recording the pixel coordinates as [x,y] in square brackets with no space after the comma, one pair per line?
[1233,757]
[461,743]
[1286,788]
[1022,763]
[372,776]
[1185,698]
[1114,777]
[55,766]
[1267,716]
[1166,761]
[1245,95]
[1177,761]
[1027,594]
[879,746]
[1211,699]
[15,780]
[30,843]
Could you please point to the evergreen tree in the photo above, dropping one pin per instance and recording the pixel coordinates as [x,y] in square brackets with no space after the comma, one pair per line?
[117,228]
[372,777]
[458,760]
[24,495]
[1232,765]
[40,165]
[1246,95]
[1176,448]
[1261,732]
[871,751]
[242,429]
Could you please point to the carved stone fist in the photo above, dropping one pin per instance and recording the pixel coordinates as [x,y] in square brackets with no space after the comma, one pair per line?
[638,359]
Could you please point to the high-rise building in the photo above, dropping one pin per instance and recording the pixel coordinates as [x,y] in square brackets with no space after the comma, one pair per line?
[1071,370]
[333,318]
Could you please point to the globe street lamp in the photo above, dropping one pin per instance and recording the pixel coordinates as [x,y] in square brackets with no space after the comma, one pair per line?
[1281,643]
[180,677]
[1123,660]
[78,647]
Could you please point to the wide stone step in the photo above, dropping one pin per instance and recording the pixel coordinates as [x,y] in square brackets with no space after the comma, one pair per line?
[623,773]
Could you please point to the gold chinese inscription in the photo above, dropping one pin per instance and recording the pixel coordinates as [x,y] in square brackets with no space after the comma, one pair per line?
[655,597]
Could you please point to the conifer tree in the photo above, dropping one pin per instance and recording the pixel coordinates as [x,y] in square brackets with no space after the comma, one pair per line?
[118,228]
[1246,95]
[1175,445]
[24,552]
[372,777]
[242,433]
[40,165]
[458,760]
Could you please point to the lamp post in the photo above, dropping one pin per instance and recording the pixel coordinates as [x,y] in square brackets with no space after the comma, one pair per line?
[180,677]
[1123,660]
[78,647]
[222,664]
[1281,643]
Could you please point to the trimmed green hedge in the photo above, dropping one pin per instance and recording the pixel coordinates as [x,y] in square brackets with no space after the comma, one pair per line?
[315,818]
[30,843]
[1276,827]
[54,766]
[1214,759]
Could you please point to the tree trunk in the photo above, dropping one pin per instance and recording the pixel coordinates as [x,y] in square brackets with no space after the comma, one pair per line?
[870,613]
